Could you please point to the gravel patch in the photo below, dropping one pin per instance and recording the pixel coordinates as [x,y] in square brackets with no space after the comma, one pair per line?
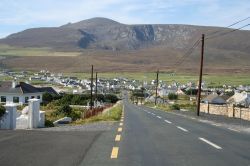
[97,126]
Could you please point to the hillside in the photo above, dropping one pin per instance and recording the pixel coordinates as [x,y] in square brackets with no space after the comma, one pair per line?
[137,46]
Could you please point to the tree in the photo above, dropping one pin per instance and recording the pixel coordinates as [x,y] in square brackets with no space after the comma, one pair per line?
[2,110]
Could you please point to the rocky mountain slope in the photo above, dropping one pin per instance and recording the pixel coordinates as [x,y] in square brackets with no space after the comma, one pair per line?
[138,46]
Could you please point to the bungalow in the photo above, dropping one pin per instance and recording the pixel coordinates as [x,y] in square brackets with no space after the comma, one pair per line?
[214,99]
[20,93]
[242,99]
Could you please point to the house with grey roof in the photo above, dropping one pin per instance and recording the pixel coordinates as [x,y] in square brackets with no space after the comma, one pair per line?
[18,92]
[215,99]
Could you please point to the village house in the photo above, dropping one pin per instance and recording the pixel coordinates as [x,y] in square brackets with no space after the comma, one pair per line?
[21,92]
[215,99]
[242,99]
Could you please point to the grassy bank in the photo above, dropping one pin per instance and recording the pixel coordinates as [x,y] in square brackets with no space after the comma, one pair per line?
[113,114]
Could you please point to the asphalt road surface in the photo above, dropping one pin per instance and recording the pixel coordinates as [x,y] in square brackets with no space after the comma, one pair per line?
[144,137]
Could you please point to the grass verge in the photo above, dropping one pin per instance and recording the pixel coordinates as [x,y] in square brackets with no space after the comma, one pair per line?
[114,114]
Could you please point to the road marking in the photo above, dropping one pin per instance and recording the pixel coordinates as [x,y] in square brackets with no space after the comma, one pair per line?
[118,137]
[121,124]
[215,124]
[210,143]
[168,121]
[114,153]
[233,129]
[159,117]
[119,129]
[121,120]
[181,128]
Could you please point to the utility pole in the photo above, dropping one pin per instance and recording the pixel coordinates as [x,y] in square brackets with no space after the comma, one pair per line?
[200,78]
[96,88]
[156,88]
[91,88]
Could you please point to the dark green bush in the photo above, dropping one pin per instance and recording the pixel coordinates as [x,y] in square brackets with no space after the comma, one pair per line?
[175,107]
[64,109]
[48,123]
[172,96]
[2,111]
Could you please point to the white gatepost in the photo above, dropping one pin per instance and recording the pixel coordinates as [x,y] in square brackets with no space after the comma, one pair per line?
[33,115]
[11,117]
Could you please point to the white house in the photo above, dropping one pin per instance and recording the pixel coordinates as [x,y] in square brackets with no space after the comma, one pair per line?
[242,98]
[19,93]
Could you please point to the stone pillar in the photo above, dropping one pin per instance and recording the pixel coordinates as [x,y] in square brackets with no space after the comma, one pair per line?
[33,115]
[42,119]
[11,109]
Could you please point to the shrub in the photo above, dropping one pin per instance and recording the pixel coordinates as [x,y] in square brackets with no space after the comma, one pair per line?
[2,111]
[47,97]
[172,96]
[48,123]
[65,110]
[111,98]
[175,107]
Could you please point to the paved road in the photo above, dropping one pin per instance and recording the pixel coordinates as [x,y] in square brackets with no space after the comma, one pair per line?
[144,137]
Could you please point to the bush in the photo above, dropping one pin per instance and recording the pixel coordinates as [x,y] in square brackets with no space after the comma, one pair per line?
[47,97]
[172,96]
[65,110]
[175,107]
[2,111]
[111,98]
[48,123]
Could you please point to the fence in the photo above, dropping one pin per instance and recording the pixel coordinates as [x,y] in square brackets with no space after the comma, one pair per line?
[95,111]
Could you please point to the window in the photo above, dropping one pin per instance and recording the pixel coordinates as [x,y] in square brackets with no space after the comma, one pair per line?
[3,99]
[32,97]
[26,99]
[15,99]
[38,97]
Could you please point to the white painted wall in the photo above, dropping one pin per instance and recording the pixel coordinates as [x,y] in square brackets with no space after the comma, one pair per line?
[9,97]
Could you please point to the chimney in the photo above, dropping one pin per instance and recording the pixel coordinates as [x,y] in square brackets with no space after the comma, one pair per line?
[14,83]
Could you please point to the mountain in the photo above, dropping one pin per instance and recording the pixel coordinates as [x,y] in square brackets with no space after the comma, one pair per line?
[146,45]
[103,33]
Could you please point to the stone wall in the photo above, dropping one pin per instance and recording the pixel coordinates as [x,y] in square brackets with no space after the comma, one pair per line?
[226,110]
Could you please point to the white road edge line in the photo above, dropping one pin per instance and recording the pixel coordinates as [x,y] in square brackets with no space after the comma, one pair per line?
[210,143]
[181,128]
[159,117]
[233,129]
[168,121]
[215,124]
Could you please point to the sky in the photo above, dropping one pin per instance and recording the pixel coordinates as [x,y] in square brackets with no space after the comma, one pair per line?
[18,15]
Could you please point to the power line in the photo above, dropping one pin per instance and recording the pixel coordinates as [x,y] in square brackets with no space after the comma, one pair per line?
[188,53]
[225,33]
[213,33]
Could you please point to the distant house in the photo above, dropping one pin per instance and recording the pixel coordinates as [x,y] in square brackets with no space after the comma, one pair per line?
[214,99]
[242,98]
[20,93]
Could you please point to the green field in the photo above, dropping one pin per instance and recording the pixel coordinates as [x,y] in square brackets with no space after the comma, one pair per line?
[6,51]
[211,80]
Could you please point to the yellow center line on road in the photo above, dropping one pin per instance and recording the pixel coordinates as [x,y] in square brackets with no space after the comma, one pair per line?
[114,153]
[119,129]
[118,138]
